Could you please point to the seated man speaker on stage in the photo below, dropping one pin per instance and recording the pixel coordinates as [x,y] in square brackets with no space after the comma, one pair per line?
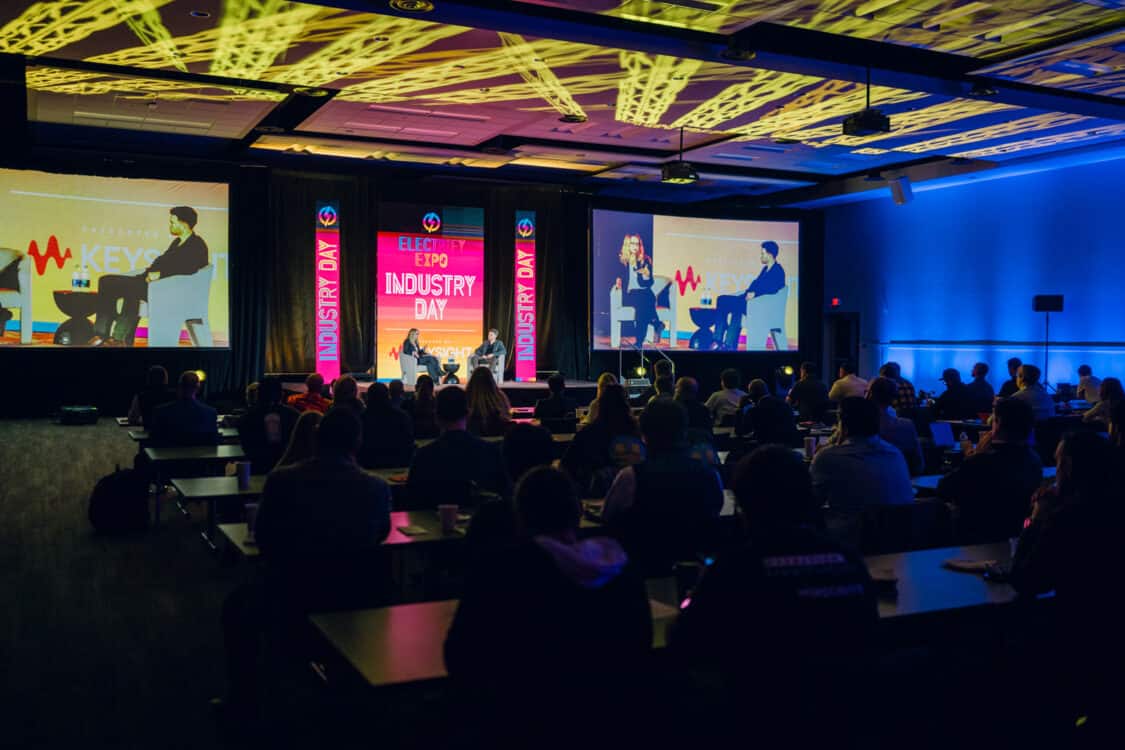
[188,253]
[491,354]
[731,307]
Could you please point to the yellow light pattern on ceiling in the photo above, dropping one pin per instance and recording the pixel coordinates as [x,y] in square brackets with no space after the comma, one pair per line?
[650,86]
[715,18]
[152,32]
[49,26]
[1105,51]
[83,83]
[1023,125]
[905,123]
[1046,141]
[763,87]
[534,70]
[254,33]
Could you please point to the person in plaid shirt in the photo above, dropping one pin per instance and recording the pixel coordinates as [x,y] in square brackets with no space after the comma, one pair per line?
[312,399]
[906,401]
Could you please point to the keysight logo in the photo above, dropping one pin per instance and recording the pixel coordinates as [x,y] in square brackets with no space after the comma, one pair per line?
[431,222]
[524,228]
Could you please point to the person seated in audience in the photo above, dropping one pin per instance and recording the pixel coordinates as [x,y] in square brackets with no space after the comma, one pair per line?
[422,409]
[809,396]
[185,421]
[1110,394]
[957,401]
[1117,425]
[558,405]
[992,488]
[388,433]
[320,525]
[663,509]
[605,380]
[525,447]
[265,430]
[766,417]
[664,387]
[863,470]
[899,432]
[313,398]
[848,384]
[589,459]
[1034,393]
[399,397]
[155,393]
[490,413]
[345,395]
[907,400]
[302,442]
[1010,386]
[251,395]
[545,620]
[699,417]
[980,390]
[661,368]
[723,403]
[801,606]
[456,460]
[1089,386]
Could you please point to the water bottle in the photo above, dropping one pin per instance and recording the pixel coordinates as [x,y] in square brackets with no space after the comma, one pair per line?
[75,282]
[966,445]
[85,279]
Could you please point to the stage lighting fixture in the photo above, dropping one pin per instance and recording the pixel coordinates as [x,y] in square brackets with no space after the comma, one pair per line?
[201,375]
[788,369]
[678,172]
[412,6]
[573,118]
[869,121]
[640,371]
[900,190]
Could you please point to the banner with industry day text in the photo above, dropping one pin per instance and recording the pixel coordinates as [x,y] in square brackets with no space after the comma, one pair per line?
[429,276]
[523,338]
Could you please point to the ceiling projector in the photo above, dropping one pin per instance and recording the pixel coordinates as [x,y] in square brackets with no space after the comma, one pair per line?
[868,122]
[678,173]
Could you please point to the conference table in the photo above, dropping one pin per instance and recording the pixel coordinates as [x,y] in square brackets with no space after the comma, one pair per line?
[166,460]
[226,435]
[212,490]
[929,482]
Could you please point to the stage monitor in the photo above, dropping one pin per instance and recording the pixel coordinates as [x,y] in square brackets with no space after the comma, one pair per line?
[429,276]
[112,262]
[691,284]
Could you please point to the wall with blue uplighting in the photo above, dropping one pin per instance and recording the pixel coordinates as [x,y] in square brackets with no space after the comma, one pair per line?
[953,273]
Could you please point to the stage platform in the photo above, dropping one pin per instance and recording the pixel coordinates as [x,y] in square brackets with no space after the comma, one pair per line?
[519,394]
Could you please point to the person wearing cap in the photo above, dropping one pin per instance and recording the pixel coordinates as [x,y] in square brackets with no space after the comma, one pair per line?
[731,307]
[957,401]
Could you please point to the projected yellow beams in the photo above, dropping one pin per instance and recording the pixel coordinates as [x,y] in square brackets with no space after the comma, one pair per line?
[152,32]
[763,87]
[1047,141]
[246,50]
[1002,130]
[82,83]
[650,86]
[49,26]
[534,70]
[905,123]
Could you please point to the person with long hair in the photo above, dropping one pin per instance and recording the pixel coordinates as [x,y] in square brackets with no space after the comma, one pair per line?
[302,441]
[422,408]
[1110,394]
[412,348]
[589,460]
[636,288]
[605,380]
[489,409]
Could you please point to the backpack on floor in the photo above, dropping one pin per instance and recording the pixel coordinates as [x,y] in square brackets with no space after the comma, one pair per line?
[119,502]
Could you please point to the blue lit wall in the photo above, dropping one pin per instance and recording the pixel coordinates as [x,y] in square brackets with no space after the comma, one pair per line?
[958,266]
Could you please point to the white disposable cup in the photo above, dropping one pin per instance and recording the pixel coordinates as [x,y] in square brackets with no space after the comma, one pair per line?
[243,473]
[447,514]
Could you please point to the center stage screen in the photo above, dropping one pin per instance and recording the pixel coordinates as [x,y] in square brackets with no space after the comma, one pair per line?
[682,283]
[429,276]
[112,261]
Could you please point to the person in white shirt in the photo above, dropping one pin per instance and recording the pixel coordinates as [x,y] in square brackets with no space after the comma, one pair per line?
[723,404]
[1088,384]
[1036,396]
[849,384]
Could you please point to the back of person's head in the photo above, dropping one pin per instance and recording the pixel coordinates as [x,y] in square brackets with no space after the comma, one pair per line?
[664,424]
[379,396]
[664,385]
[859,417]
[451,406]
[340,434]
[772,487]
[1014,365]
[347,389]
[396,388]
[1029,374]
[188,384]
[730,378]
[525,447]
[1014,419]
[302,442]
[547,503]
[758,389]
[1111,390]
[270,391]
[484,396]
[883,391]
[556,383]
[662,368]
[1087,468]
[980,370]
[614,411]
[891,370]
[314,383]
[424,388]
[605,380]
[156,377]
[1085,370]
[687,389]
[252,395]
[951,377]
[847,368]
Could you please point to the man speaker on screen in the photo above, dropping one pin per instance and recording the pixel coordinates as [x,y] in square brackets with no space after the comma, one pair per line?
[731,307]
[489,353]
[188,253]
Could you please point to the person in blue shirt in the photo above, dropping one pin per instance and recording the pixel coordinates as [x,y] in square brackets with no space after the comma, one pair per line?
[731,307]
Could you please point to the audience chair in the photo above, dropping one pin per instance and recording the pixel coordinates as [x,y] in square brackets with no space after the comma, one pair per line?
[665,310]
[409,367]
[765,318]
[19,299]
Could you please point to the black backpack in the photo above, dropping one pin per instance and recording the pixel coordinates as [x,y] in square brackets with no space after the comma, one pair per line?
[119,503]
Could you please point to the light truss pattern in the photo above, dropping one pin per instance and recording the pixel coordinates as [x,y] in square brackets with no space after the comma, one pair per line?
[152,32]
[992,132]
[905,123]
[83,83]
[49,26]
[521,54]
[650,85]
[1047,141]
[254,33]
[1104,55]
[762,88]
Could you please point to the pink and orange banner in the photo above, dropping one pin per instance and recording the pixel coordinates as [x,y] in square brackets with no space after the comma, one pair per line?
[524,338]
[328,290]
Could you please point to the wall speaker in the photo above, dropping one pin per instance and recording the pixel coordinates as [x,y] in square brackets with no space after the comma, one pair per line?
[1047,303]
[901,191]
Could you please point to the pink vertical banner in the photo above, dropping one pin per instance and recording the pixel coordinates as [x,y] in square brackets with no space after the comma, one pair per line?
[524,349]
[328,290]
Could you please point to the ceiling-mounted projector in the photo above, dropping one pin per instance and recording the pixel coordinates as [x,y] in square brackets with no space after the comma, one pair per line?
[868,122]
[678,173]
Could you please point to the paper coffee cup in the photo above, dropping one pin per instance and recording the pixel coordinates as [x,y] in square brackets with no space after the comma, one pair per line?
[447,514]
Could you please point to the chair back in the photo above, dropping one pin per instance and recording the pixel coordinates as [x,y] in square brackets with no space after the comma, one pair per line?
[173,301]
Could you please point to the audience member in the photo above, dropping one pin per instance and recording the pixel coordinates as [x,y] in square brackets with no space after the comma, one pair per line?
[801,606]
[849,385]
[457,461]
[1089,386]
[1117,425]
[1033,393]
[662,509]
[589,459]
[907,400]
[545,620]
[185,421]
[957,401]
[525,447]
[992,488]
[699,418]
[155,393]
[251,395]
[766,417]
[345,395]
[490,413]
[388,433]
[664,387]
[723,403]
[302,442]
[265,430]
[662,368]
[558,405]
[1010,386]
[422,408]
[605,380]
[313,398]
[809,395]
[980,390]
[399,397]
[897,431]
[1110,394]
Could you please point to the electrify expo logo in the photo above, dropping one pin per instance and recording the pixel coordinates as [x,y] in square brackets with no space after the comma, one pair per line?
[524,228]
[327,217]
[431,222]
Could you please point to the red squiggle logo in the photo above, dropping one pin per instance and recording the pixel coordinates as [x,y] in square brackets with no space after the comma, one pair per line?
[394,353]
[52,253]
[691,278]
